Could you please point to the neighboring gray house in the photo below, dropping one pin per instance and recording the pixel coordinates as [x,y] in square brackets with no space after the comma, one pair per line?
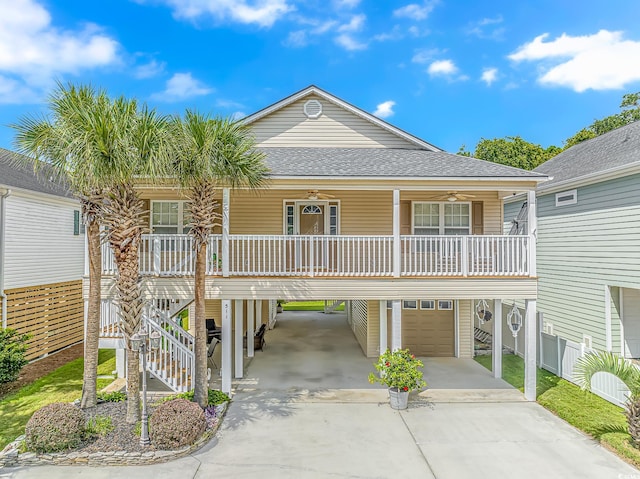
[588,255]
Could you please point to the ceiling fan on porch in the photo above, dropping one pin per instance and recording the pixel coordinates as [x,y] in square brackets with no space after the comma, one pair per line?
[454,196]
[316,195]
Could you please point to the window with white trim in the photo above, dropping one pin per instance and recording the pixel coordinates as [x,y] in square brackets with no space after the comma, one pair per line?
[169,217]
[333,219]
[410,304]
[290,218]
[445,304]
[567,198]
[427,304]
[441,218]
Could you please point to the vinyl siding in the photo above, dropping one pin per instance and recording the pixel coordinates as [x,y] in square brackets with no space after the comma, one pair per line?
[336,127]
[373,329]
[359,323]
[40,245]
[583,248]
[465,329]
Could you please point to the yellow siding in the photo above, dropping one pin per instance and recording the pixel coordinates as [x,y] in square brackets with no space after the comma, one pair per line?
[336,127]
[373,329]
[465,328]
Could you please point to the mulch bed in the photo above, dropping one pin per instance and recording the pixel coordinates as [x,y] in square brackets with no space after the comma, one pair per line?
[123,436]
[37,369]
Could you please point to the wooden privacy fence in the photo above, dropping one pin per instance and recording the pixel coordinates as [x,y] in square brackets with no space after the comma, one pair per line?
[52,314]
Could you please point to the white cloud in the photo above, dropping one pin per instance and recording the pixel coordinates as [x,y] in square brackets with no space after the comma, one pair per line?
[260,12]
[347,42]
[425,55]
[182,86]
[415,11]
[237,115]
[297,39]
[600,61]
[355,24]
[150,69]
[489,75]
[33,51]
[394,34]
[442,68]
[486,28]
[385,109]
[346,3]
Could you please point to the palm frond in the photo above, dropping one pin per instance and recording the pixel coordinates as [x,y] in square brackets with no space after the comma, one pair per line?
[607,362]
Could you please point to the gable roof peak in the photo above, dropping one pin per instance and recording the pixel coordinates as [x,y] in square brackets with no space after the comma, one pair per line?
[314,89]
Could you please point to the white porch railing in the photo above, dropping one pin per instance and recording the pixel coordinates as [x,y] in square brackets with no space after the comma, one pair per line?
[465,255]
[336,256]
[173,364]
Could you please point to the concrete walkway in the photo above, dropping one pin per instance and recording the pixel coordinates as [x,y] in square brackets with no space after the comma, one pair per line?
[296,421]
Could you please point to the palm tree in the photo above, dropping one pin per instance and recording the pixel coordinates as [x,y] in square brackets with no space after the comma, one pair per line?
[628,373]
[210,153]
[69,145]
[102,146]
[143,152]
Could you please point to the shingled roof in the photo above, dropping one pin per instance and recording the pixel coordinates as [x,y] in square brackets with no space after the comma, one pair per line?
[612,150]
[17,171]
[384,163]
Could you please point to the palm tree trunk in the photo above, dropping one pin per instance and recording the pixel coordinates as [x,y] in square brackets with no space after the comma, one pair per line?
[92,330]
[633,419]
[133,386]
[201,384]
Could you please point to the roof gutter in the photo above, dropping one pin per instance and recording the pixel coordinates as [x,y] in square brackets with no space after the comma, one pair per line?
[3,296]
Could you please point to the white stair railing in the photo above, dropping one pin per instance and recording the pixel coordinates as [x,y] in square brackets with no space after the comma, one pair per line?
[174,363]
[331,305]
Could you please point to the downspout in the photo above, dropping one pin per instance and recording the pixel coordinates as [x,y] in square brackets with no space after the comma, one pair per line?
[3,296]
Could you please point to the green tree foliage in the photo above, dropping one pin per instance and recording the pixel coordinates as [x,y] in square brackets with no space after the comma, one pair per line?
[13,347]
[630,112]
[514,151]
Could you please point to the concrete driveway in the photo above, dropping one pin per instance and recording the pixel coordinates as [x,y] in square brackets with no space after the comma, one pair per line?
[293,418]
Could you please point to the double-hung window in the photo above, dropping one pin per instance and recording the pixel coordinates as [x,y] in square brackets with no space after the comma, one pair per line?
[169,217]
[441,218]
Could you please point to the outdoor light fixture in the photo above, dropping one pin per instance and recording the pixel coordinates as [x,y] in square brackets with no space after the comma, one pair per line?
[141,342]
[514,320]
[482,311]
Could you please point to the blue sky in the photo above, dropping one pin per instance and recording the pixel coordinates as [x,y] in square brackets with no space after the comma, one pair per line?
[448,71]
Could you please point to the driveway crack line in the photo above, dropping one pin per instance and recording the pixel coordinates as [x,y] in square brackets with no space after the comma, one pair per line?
[415,441]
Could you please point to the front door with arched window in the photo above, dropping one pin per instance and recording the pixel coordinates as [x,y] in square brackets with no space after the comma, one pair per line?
[312,219]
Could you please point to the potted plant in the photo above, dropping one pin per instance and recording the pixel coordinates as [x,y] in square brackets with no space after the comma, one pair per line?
[401,372]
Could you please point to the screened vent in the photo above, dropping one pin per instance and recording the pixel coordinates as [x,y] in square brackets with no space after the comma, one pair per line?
[313,109]
[567,198]
[548,328]
[587,341]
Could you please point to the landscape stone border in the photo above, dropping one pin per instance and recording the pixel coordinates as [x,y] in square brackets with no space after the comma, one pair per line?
[12,457]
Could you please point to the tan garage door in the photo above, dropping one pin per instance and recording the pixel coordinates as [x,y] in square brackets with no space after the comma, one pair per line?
[429,333]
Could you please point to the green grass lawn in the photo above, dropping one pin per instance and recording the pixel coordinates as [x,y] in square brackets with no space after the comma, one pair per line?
[590,413]
[307,306]
[62,385]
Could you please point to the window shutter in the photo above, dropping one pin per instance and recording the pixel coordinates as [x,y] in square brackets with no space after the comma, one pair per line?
[405,217]
[477,217]
[76,222]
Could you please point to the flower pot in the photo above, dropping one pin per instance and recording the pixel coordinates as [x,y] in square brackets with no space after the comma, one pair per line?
[398,399]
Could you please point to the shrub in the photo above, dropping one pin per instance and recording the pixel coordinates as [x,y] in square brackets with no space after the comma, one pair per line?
[399,369]
[115,396]
[214,397]
[99,426]
[13,346]
[55,427]
[176,423]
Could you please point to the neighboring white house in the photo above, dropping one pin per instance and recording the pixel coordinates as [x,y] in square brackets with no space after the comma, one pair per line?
[41,257]
[588,254]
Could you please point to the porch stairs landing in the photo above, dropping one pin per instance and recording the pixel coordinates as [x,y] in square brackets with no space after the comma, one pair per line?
[173,364]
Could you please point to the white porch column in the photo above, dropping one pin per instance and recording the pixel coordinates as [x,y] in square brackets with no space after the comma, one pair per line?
[250,326]
[383,326]
[607,318]
[396,325]
[225,232]
[226,346]
[532,230]
[530,350]
[238,349]
[121,362]
[258,313]
[396,233]
[497,339]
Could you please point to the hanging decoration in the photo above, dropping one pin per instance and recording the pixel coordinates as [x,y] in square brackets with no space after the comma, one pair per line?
[514,319]
[482,311]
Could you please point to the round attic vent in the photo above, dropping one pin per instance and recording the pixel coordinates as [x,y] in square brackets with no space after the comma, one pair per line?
[313,109]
